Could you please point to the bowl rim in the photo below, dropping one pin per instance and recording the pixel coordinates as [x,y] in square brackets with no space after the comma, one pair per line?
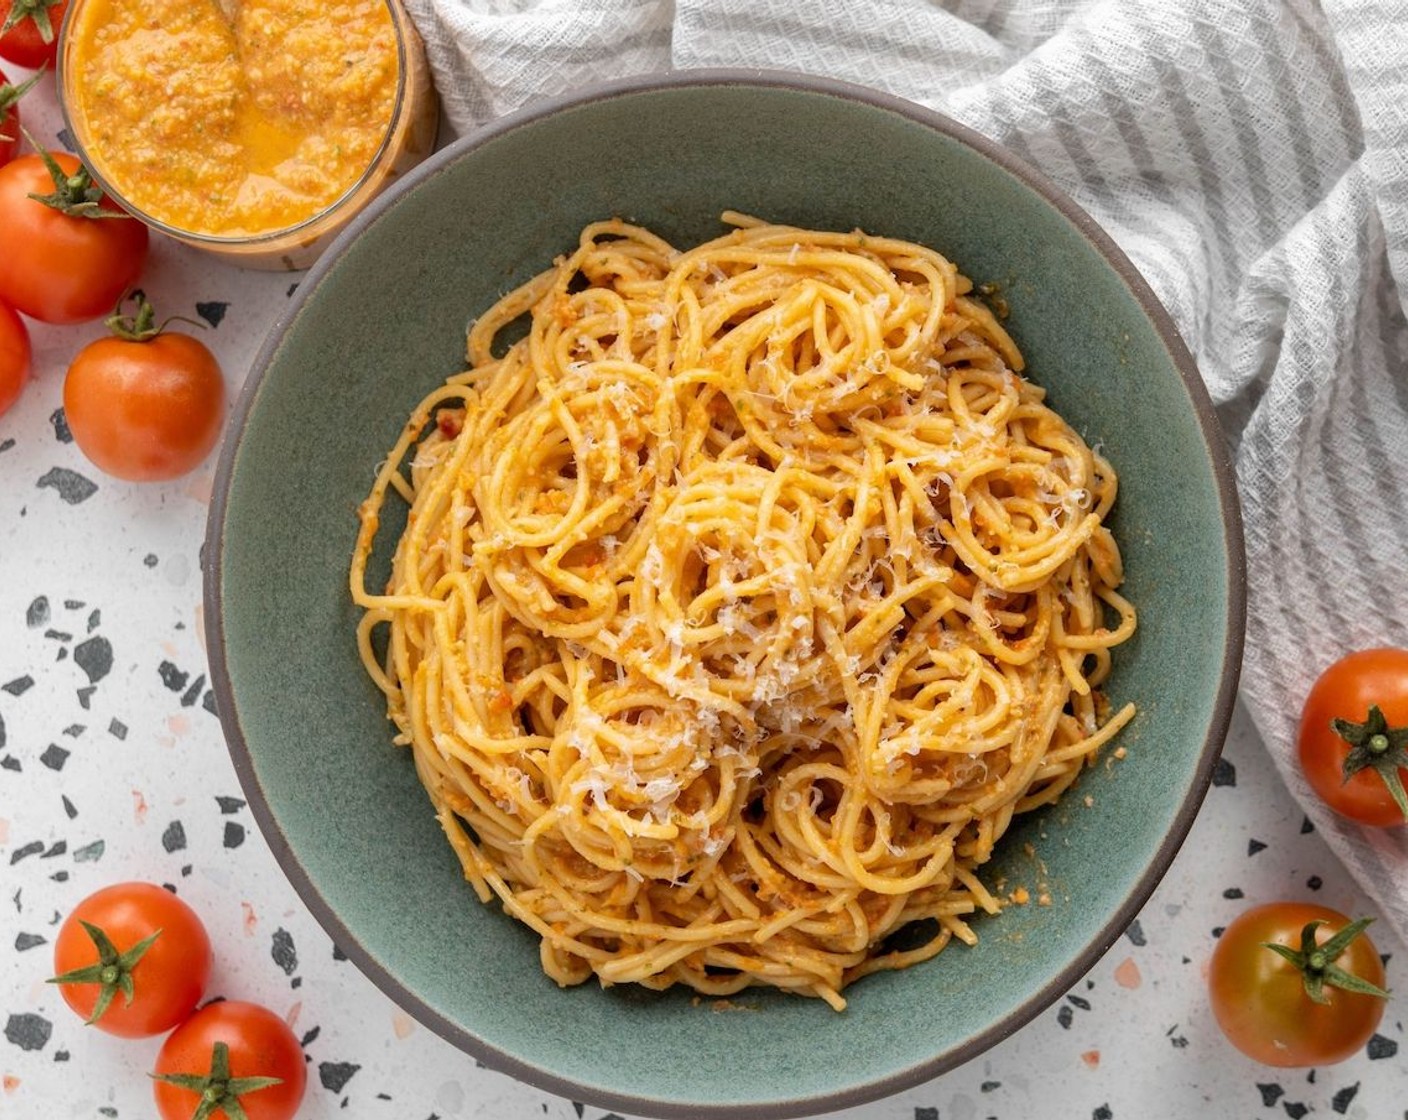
[1234,558]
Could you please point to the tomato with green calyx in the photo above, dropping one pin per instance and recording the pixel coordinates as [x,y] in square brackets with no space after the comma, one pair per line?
[137,941]
[144,404]
[10,115]
[231,1058]
[29,33]
[1294,984]
[69,251]
[1353,742]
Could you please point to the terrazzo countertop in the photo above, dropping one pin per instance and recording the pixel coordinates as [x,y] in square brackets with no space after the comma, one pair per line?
[112,767]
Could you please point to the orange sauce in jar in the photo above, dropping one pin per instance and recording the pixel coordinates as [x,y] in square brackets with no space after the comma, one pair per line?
[232,126]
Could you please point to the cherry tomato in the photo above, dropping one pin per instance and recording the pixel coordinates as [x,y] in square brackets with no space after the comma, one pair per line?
[10,116]
[231,1049]
[67,262]
[1353,742]
[1262,1000]
[132,959]
[14,357]
[144,404]
[29,35]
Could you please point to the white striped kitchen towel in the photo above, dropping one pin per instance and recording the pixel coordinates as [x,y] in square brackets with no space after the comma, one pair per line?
[1251,157]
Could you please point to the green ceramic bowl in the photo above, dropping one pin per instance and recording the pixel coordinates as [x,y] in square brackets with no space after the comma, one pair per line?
[380,320]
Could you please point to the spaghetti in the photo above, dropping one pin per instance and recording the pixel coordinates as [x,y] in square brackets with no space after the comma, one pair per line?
[740,606]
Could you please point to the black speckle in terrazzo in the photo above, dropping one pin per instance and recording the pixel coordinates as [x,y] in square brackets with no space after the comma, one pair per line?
[989,1086]
[338,954]
[1342,1100]
[1254,846]
[28,1031]
[33,848]
[118,730]
[94,657]
[150,560]
[578,1107]
[10,762]
[85,696]
[291,289]
[1080,1001]
[172,677]
[186,870]
[74,604]
[71,486]
[60,1055]
[1233,892]
[59,876]
[95,618]
[1065,1016]
[1224,773]
[283,951]
[25,941]
[2,732]
[1295,1109]
[60,422]
[6,445]
[57,848]
[335,1075]
[108,1111]
[174,838]
[192,694]
[926,1114]
[19,686]
[1135,933]
[1306,826]
[1381,1047]
[234,834]
[1218,931]
[58,635]
[208,702]
[1102,1113]
[1314,882]
[309,1036]
[230,805]
[74,730]
[212,312]
[1177,1040]
[70,810]
[38,613]
[90,853]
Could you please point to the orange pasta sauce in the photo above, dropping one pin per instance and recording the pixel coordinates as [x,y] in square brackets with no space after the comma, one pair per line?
[232,125]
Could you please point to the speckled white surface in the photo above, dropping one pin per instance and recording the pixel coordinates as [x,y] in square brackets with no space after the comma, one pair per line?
[113,767]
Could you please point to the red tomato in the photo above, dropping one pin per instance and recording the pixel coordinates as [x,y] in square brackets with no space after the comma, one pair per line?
[10,116]
[1354,759]
[58,266]
[14,357]
[30,35]
[234,1049]
[145,405]
[1261,1000]
[133,959]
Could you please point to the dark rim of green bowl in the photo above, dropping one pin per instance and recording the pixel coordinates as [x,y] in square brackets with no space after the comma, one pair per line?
[1118,920]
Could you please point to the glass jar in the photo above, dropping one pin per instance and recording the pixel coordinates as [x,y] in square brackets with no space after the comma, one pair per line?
[159,70]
